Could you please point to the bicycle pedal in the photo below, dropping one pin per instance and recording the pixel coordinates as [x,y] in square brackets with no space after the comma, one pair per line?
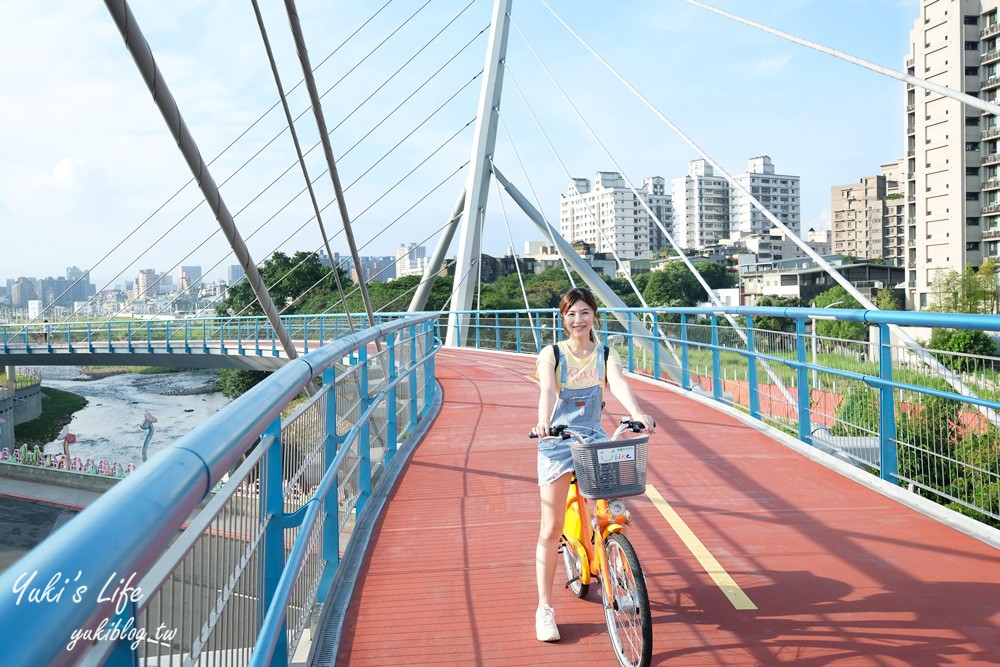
[571,582]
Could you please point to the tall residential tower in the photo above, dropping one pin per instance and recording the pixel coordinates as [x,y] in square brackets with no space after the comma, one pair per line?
[952,151]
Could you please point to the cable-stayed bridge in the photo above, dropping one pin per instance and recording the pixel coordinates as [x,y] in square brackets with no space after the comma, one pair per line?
[260,537]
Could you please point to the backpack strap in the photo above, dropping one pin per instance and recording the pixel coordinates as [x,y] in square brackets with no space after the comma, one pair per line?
[607,351]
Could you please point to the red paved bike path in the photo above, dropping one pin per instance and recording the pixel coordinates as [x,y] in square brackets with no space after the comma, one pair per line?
[840,574]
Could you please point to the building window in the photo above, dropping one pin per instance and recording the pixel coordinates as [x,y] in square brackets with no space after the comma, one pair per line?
[971,20]
[972,222]
[972,46]
[971,146]
[971,196]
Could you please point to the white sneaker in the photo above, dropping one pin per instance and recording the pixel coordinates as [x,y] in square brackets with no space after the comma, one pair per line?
[545,624]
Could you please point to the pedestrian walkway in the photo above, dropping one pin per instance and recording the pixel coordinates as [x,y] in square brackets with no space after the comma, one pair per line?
[824,570]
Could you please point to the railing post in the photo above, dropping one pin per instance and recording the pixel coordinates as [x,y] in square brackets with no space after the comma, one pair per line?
[123,655]
[478,343]
[888,453]
[539,343]
[753,395]
[110,347]
[273,558]
[604,326]
[305,335]
[631,346]
[90,340]
[128,336]
[656,348]
[167,337]
[716,360]
[497,328]
[805,428]
[239,337]
[428,373]
[149,336]
[517,330]
[204,336]
[685,373]
[413,377]
[364,439]
[391,428]
[331,518]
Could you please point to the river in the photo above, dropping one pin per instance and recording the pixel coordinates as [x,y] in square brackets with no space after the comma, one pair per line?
[108,428]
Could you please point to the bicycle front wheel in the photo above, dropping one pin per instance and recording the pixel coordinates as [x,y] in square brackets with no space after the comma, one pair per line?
[627,613]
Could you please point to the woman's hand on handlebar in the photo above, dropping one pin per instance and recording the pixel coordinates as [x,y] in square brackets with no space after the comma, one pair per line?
[646,421]
[542,429]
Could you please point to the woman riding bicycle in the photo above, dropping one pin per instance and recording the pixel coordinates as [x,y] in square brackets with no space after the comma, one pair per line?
[571,388]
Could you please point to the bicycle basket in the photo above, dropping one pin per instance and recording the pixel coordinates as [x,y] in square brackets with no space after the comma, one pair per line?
[611,468]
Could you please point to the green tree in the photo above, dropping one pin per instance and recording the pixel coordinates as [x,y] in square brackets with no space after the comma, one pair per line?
[676,286]
[963,341]
[289,280]
[838,297]
[776,323]
[886,300]
[969,291]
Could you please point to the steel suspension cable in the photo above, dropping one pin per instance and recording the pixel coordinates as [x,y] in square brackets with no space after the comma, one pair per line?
[298,152]
[374,238]
[964,98]
[192,180]
[712,295]
[139,48]
[323,173]
[927,358]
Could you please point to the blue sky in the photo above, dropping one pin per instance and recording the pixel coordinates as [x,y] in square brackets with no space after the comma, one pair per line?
[86,157]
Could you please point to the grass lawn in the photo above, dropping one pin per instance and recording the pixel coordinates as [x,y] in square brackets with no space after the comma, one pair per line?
[57,410]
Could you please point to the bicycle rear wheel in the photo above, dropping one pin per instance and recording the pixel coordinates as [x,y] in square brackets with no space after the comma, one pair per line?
[627,614]
[574,569]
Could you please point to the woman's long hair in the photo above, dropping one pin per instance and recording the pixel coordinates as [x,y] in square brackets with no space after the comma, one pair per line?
[570,298]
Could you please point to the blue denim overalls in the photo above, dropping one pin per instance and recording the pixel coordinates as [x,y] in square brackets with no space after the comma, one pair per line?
[580,410]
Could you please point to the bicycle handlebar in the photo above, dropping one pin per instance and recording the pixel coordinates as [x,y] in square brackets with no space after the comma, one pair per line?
[559,431]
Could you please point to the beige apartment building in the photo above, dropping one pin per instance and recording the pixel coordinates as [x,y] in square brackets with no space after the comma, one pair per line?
[952,152]
[867,217]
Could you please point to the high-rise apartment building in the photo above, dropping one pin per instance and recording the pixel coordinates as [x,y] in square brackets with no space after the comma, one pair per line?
[952,150]
[701,207]
[188,278]
[778,193]
[411,259]
[607,215]
[234,274]
[858,212]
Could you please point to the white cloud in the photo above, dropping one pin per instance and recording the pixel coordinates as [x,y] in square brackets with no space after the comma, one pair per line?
[766,66]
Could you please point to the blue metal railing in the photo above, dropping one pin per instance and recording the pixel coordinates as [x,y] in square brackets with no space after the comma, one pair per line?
[261,553]
[886,406]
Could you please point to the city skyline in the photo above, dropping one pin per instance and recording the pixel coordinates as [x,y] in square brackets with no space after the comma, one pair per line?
[91,158]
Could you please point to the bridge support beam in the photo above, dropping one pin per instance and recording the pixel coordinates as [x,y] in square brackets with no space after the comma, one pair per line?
[477,187]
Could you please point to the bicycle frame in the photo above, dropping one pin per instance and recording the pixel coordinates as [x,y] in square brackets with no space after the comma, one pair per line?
[579,533]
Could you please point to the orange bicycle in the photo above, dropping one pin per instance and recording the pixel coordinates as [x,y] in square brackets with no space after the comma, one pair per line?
[595,545]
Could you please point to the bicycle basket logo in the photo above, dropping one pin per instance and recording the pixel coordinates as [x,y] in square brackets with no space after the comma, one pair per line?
[616,454]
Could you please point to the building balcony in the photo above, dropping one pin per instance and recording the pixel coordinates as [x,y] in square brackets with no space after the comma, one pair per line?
[913,130]
[989,57]
[911,243]
[993,184]
[989,31]
[991,209]
[911,198]
[990,83]
[910,107]
[991,132]
[993,158]
[991,234]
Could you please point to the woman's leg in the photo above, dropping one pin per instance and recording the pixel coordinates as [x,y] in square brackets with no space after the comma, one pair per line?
[547,549]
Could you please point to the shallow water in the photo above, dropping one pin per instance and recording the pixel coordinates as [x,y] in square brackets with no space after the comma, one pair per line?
[108,428]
